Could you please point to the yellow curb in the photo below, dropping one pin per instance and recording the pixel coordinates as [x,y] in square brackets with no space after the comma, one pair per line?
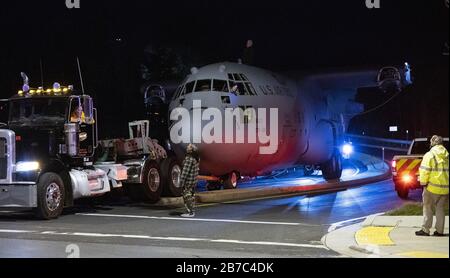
[374,236]
[424,254]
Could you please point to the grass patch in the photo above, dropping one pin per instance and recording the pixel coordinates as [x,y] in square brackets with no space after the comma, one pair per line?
[411,209]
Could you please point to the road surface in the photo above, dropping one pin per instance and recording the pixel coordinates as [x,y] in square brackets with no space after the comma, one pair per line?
[280,227]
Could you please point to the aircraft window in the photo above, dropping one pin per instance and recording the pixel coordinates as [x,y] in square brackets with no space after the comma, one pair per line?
[230,76]
[241,89]
[189,87]
[250,89]
[179,92]
[220,86]
[183,91]
[243,77]
[237,77]
[203,85]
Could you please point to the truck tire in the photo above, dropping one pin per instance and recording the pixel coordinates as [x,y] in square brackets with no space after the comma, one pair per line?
[171,174]
[403,193]
[231,181]
[152,186]
[50,196]
[332,169]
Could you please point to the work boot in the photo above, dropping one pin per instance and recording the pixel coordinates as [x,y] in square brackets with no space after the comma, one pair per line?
[438,234]
[422,233]
[188,215]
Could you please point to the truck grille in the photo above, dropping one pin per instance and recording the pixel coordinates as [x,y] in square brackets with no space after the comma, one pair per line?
[3,159]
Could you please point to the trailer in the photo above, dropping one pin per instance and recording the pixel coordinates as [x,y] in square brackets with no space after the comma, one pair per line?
[153,171]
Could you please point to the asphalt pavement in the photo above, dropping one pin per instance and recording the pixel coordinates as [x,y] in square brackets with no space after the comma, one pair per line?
[278,227]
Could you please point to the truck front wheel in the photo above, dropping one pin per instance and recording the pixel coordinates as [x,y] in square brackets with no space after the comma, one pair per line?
[50,196]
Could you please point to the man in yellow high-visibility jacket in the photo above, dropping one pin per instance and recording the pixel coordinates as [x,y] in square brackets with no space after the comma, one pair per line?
[434,177]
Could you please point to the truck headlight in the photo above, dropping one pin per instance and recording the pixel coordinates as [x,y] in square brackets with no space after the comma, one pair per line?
[27,166]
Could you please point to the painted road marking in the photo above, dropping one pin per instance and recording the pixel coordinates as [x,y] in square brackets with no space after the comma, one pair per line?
[195,219]
[374,236]
[424,255]
[336,225]
[188,239]
[15,231]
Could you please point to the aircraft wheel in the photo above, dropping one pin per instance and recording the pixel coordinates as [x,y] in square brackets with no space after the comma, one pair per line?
[231,181]
[332,169]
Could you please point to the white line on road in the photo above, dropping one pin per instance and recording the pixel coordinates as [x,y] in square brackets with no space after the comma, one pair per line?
[334,226]
[15,231]
[231,241]
[194,219]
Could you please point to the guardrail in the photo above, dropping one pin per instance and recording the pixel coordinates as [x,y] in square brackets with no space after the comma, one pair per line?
[380,143]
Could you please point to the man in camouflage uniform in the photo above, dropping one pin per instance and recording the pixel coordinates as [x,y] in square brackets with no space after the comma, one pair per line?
[189,179]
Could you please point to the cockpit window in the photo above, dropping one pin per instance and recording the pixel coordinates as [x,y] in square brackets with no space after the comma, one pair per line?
[220,86]
[240,85]
[189,87]
[243,77]
[203,85]
[236,77]
[178,92]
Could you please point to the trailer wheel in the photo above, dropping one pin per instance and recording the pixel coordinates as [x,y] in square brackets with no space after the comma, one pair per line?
[50,196]
[171,174]
[152,186]
[231,181]
[332,169]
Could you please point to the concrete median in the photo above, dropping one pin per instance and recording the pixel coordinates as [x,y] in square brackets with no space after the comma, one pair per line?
[376,170]
[370,170]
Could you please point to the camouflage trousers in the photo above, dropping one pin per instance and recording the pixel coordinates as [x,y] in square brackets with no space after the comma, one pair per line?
[189,197]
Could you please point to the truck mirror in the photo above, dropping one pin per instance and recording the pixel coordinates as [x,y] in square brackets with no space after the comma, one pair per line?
[88,109]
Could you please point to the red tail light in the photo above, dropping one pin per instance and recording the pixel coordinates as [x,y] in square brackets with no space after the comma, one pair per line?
[407,178]
[18,138]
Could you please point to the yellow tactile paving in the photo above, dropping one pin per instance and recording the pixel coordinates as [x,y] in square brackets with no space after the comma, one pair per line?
[374,236]
[424,255]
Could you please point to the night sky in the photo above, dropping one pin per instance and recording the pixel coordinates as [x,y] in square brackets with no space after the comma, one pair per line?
[110,37]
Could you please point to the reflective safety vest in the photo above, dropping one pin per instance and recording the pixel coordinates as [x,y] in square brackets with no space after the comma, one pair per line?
[434,170]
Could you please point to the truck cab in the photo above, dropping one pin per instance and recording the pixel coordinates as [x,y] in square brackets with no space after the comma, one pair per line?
[47,147]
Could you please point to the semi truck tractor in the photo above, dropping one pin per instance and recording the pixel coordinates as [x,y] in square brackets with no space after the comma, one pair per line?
[49,154]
